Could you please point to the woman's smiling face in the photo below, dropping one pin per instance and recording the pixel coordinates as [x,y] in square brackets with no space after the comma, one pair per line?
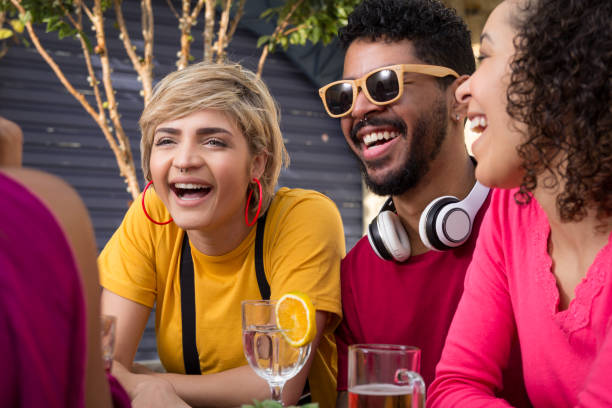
[499,135]
[201,167]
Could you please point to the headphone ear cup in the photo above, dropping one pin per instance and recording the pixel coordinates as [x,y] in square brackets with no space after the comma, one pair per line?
[376,241]
[388,237]
[429,220]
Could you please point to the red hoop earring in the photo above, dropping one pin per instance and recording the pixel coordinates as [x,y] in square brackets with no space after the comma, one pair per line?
[145,209]
[246,210]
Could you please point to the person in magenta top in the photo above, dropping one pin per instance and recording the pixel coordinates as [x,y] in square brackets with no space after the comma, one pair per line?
[49,296]
[542,268]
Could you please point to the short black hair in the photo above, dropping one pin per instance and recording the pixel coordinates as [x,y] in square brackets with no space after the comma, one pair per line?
[438,34]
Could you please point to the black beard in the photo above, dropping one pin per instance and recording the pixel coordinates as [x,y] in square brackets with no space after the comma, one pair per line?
[427,138]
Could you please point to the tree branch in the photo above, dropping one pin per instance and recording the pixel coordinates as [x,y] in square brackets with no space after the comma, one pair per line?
[277,31]
[185,28]
[93,80]
[222,33]
[196,10]
[125,37]
[147,35]
[208,32]
[56,69]
[87,11]
[236,20]
[142,66]
[125,168]
[124,156]
[176,14]
[67,14]
[292,30]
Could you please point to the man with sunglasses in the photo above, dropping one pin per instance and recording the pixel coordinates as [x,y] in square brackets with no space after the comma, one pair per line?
[398,112]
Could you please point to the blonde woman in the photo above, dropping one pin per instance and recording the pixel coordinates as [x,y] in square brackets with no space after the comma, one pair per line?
[213,150]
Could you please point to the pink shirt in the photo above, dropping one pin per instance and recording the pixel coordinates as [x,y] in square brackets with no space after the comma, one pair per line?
[510,291]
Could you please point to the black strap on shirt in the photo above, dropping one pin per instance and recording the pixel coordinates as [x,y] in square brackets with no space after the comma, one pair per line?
[188,318]
[188,309]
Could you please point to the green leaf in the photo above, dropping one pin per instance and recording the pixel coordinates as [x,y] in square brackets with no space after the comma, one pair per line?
[5,33]
[17,25]
[87,41]
[262,40]
[66,31]
[315,35]
[53,23]
[26,17]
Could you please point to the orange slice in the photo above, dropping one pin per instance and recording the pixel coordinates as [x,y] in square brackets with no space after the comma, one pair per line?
[295,316]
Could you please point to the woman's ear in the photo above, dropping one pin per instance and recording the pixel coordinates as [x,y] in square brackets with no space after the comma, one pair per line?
[258,164]
[459,104]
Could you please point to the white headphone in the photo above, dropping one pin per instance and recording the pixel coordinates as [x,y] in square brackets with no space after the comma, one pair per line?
[445,223]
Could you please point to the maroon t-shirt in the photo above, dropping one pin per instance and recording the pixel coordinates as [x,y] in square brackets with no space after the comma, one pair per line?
[410,303]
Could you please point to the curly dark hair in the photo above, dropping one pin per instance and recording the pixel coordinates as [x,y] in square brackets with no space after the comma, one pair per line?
[438,34]
[561,88]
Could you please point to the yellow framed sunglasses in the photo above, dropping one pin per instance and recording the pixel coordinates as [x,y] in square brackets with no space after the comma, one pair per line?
[381,86]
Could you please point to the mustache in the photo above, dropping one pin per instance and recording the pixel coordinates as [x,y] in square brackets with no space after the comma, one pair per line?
[396,123]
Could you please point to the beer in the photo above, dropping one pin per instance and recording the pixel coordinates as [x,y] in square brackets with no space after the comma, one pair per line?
[384,396]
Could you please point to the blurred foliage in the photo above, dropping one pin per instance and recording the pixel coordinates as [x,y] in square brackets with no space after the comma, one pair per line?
[311,20]
[274,404]
[307,20]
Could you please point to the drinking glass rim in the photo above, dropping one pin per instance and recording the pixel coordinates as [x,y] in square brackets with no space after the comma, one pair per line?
[383,347]
[258,302]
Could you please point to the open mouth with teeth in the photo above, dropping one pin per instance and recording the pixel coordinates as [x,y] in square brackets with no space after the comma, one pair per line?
[379,138]
[478,124]
[188,191]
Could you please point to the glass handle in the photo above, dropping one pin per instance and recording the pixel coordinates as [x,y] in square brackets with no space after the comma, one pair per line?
[409,378]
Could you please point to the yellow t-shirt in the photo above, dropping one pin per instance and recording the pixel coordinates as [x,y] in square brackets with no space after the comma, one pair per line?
[303,246]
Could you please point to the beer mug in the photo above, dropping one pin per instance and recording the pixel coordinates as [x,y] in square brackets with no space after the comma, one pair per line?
[385,376]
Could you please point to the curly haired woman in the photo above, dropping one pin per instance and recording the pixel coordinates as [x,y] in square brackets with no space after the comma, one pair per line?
[542,269]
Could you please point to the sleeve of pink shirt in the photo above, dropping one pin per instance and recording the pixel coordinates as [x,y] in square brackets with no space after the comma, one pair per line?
[479,342]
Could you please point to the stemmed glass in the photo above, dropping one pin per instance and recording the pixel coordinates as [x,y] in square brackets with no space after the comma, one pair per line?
[108,325]
[265,347]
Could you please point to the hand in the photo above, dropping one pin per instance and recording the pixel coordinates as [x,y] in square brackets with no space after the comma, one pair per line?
[154,392]
[138,368]
[147,391]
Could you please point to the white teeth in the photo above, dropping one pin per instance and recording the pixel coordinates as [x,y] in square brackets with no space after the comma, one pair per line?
[188,186]
[189,199]
[478,124]
[374,137]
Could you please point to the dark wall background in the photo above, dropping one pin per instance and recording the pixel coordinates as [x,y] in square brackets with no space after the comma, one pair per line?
[61,138]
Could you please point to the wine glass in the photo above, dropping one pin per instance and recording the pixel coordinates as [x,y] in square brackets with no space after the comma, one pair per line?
[265,347]
[108,325]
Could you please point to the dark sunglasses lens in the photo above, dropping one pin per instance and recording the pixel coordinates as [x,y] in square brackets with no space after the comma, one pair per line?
[339,98]
[383,85]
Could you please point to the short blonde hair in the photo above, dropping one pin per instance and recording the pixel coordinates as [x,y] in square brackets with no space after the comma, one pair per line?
[228,88]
